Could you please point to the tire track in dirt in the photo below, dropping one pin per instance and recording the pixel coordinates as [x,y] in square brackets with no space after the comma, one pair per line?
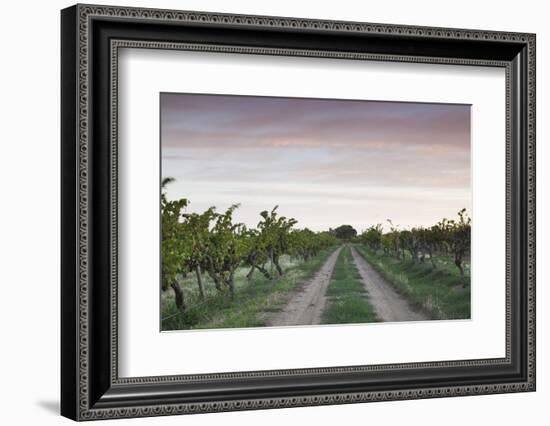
[306,306]
[388,304]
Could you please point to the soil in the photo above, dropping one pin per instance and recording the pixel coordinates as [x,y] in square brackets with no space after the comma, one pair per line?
[388,304]
[306,305]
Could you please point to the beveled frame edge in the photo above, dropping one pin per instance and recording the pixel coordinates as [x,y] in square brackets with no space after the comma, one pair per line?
[75,200]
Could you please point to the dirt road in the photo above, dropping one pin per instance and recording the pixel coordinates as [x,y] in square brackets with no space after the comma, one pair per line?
[388,305]
[306,306]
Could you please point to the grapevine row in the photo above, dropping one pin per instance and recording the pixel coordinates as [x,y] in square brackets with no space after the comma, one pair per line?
[213,243]
[448,237]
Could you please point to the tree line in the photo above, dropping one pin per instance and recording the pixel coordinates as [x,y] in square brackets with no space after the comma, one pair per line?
[448,236]
[214,244]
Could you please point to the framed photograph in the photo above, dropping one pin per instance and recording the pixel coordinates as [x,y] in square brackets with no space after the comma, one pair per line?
[263,212]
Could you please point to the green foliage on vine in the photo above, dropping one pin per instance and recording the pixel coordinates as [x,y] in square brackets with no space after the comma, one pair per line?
[449,236]
[213,243]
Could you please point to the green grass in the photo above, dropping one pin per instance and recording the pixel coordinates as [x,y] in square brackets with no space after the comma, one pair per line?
[347,297]
[253,302]
[438,291]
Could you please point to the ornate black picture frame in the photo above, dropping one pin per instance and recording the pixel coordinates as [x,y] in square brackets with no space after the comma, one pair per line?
[91,36]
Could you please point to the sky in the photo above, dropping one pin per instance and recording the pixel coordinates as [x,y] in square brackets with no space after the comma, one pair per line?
[323,162]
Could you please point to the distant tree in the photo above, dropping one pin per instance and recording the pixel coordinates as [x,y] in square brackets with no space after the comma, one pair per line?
[345,232]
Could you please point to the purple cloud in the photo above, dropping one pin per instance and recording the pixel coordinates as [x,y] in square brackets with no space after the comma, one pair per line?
[252,148]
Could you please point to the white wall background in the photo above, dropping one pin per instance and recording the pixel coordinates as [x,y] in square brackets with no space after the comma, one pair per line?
[29,212]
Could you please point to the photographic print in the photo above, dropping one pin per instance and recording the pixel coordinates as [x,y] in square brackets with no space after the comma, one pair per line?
[297,211]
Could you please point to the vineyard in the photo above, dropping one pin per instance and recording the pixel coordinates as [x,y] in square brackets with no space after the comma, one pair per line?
[212,243]
[447,237]
[217,272]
